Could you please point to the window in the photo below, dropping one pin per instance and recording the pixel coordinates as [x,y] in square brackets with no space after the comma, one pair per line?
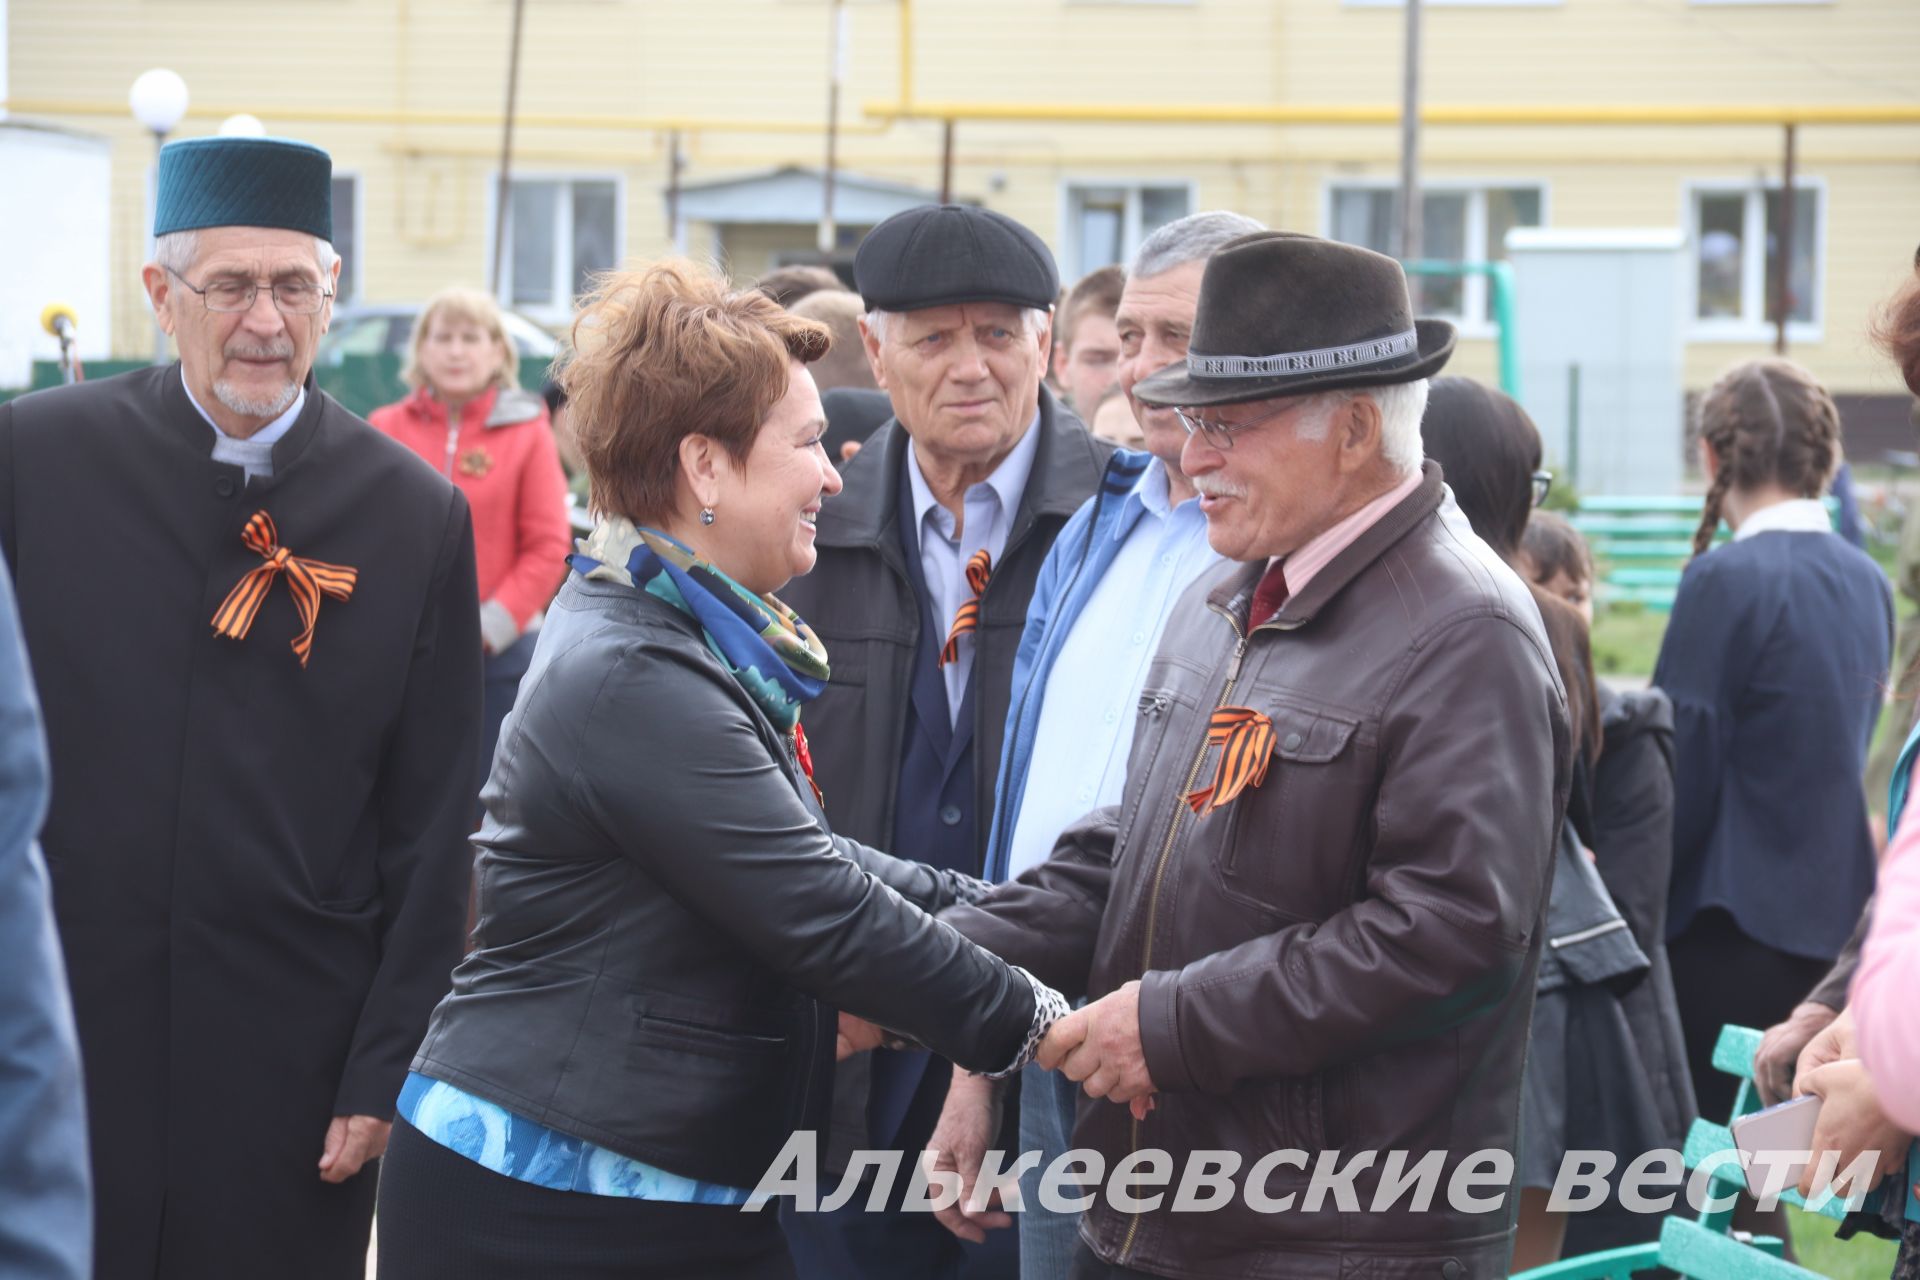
[1458,224]
[346,236]
[1736,259]
[1105,224]
[560,232]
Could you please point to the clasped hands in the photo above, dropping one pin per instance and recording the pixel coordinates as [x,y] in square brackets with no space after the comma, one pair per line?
[1097,1047]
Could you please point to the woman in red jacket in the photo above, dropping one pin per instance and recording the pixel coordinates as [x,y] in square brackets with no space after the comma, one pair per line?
[470,419]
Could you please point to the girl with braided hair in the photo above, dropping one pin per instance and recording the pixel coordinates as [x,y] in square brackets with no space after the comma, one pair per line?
[1775,659]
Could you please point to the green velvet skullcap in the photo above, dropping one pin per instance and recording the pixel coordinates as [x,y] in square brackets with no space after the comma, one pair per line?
[244,182]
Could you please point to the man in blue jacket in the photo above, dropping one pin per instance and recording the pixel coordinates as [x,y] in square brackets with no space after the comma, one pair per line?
[46,1206]
[1093,625]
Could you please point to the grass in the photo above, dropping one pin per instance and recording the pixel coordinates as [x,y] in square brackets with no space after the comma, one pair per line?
[1861,1258]
[1626,639]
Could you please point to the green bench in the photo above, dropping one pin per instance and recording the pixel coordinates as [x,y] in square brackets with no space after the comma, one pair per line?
[1641,545]
[1707,1247]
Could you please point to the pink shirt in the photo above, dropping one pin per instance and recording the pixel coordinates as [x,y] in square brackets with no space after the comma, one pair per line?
[1886,1013]
[1319,552]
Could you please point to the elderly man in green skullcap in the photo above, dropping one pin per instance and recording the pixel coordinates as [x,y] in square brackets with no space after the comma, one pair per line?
[250,617]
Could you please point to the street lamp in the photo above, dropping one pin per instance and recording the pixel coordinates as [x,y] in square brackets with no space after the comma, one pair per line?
[242,125]
[158,101]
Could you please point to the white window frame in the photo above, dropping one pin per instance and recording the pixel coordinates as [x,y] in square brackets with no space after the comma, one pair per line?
[1476,318]
[353,267]
[1130,233]
[1755,323]
[557,312]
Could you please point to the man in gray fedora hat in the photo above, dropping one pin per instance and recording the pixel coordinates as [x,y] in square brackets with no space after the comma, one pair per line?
[1308,932]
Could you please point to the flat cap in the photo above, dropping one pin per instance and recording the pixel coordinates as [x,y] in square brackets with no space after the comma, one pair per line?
[940,255]
[244,182]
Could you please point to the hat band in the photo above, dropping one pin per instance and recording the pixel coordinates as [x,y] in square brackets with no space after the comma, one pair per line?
[1375,351]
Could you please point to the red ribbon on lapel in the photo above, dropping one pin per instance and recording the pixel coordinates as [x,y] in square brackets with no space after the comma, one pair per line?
[307,581]
[804,755]
[1245,739]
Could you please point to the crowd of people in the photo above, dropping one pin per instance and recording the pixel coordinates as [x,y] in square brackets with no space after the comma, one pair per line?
[1150,724]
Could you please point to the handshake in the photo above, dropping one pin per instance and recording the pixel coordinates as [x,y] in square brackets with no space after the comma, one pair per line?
[1097,1047]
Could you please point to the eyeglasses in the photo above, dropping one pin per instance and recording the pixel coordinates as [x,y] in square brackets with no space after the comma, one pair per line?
[1542,486]
[1220,434]
[293,297]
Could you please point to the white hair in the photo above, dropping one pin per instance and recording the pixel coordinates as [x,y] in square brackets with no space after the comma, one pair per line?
[1402,405]
[1193,238]
[1035,319]
[177,251]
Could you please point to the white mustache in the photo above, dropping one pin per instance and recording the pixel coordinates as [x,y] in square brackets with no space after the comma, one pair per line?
[1213,487]
[272,351]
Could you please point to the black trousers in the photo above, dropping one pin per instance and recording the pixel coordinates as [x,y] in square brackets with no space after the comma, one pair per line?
[1720,975]
[443,1217]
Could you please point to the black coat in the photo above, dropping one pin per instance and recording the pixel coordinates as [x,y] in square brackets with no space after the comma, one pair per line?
[1633,851]
[660,910]
[259,869]
[862,601]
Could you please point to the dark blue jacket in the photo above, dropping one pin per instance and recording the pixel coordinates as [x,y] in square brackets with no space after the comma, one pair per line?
[46,1205]
[1776,661]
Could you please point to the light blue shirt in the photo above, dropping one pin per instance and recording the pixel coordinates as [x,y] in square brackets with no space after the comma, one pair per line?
[1086,718]
[507,1143]
[989,506]
[255,453]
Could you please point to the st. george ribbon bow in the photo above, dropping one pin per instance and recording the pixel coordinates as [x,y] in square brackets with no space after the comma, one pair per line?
[1245,739]
[967,617]
[307,581]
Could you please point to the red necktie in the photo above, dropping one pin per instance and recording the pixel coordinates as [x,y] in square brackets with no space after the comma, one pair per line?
[967,617]
[1269,596]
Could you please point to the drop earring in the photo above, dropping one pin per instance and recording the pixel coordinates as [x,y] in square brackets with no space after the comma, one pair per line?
[706,515]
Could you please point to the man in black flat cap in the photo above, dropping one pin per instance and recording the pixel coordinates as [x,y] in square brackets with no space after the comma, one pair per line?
[1309,932]
[927,562]
[251,621]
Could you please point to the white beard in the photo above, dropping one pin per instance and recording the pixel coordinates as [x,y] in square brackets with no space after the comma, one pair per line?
[262,406]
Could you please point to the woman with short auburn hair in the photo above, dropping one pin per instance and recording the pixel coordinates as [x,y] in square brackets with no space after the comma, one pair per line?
[666,923]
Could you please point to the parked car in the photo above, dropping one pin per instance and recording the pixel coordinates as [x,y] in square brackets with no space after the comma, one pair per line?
[359,360]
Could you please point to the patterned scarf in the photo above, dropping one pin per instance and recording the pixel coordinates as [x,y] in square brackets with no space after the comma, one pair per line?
[774,655]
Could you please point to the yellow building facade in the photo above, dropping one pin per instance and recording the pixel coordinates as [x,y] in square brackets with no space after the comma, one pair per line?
[408,94]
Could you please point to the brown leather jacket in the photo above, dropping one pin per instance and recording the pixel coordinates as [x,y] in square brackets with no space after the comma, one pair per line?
[1343,959]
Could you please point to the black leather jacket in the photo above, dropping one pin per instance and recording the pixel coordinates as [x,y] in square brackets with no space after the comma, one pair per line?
[662,905]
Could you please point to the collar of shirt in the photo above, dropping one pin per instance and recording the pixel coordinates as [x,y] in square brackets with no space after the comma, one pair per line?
[1319,551]
[1006,484]
[1796,515]
[1151,495]
[267,435]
